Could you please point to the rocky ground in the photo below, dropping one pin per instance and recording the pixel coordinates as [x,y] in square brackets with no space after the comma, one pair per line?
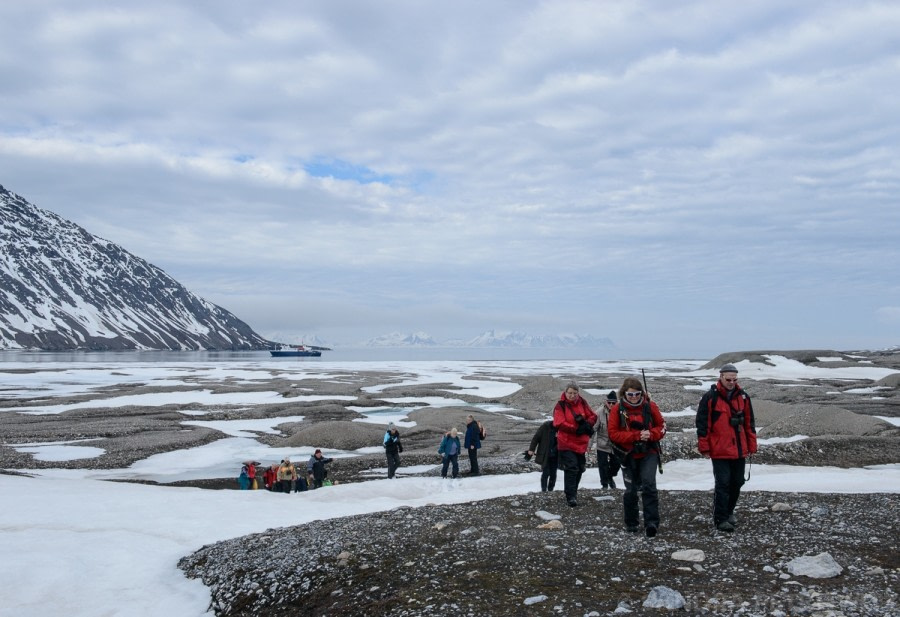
[504,557]
[493,557]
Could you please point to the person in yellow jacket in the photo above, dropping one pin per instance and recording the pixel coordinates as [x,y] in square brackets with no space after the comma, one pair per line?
[287,475]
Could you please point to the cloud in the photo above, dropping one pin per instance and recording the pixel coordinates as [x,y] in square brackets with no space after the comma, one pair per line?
[888,314]
[517,158]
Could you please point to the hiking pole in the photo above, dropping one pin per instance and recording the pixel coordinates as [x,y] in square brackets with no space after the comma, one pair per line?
[659,462]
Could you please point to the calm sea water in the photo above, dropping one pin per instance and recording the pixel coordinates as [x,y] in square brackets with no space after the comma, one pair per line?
[336,355]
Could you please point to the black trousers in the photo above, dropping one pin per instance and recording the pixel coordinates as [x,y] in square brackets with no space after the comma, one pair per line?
[573,465]
[640,476]
[608,468]
[548,473]
[729,476]
[473,461]
[393,461]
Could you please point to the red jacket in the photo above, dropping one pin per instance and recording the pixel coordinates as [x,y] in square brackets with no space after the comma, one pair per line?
[564,421]
[625,436]
[717,437]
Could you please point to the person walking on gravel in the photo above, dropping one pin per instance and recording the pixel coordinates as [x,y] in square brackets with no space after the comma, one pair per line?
[606,462]
[637,426]
[726,433]
[574,421]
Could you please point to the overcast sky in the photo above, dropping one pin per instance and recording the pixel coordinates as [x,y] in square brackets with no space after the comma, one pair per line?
[682,177]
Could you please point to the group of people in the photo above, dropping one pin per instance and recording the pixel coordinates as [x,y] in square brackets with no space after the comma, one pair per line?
[629,430]
[450,448]
[284,478]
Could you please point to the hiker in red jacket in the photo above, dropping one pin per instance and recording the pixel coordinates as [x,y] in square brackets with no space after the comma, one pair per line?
[726,433]
[574,422]
[637,426]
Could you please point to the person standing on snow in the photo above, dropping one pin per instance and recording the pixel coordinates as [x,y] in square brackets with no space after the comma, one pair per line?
[543,449]
[637,426]
[574,421]
[472,444]
[726,433]
[392,449]
[449,450]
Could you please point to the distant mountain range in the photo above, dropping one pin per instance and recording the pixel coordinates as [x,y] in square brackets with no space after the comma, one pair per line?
[493,338]
[63,288]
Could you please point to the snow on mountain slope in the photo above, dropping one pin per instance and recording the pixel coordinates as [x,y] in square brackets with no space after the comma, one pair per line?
[63,288]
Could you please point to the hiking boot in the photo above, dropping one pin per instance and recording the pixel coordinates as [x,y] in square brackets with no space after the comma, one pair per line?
[725,526]
[651,531]
[612,484]
[731,519]
[571,501]
[631,528]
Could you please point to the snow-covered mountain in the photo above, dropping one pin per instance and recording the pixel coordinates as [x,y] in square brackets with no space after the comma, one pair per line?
[63,288]
[396,339]
[493,338]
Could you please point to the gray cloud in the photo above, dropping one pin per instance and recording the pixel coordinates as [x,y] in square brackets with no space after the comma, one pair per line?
[654,172]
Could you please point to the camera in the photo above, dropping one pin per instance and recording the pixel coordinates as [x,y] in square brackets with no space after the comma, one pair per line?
[526,456]
[640,447]
[584,428]
[737,419]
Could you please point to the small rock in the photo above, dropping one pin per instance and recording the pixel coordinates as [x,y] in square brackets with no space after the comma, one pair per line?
[781,507]
[691,554]
[546,516]
[551,525]
[822,565]
[664,597]
[535,600]
[874,570]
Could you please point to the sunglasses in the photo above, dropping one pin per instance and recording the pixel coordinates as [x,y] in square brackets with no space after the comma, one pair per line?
[633,394]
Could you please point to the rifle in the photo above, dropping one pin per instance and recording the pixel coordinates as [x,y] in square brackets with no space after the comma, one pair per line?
[658,443]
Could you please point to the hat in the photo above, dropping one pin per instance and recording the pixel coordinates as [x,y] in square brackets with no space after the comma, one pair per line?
[728,368]
[612,397]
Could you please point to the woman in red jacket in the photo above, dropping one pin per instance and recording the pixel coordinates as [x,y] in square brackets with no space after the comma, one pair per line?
[636,426]
[574,422]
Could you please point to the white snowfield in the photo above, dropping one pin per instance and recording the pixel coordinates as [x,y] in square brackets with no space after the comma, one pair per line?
[104,548]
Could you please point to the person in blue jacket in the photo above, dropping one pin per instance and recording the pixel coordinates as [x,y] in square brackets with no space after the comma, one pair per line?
[473,443]
[392,449]
[449,449]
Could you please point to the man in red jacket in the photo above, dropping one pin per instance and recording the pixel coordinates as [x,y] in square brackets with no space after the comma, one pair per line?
[574,422]
[726,433]
[637,426]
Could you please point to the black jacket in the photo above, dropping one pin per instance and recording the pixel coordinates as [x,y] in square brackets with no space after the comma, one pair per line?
[543,444]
